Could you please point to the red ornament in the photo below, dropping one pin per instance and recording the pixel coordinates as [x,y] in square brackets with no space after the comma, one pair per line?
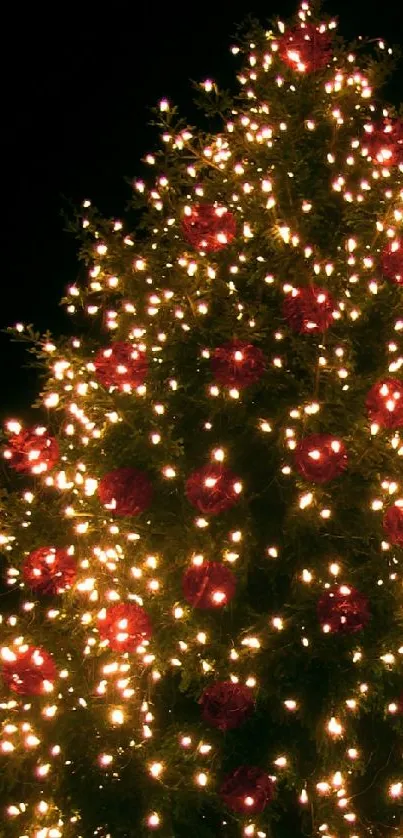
[226,705]
[49,570]
[392,261]
[126,491]
[125,625]
[213,489]
[32,451]
[121,365]
[237,364]
[306,48]
[208,585]
[29,670]
[393,523]
[385,403]
[207,227]
[320,457]
[247,790]
[343,609]
[384,142]
[309,309]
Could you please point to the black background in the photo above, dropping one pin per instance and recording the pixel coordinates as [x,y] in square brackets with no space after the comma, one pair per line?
[77,87]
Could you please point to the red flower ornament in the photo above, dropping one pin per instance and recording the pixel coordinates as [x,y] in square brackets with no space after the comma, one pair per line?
[247,790]
[309,309]
[213,489]
[49,570]
[125,626]
[125,491]
[28,670]
[226,705]
[208,585]
[393,523]
[385,403]
[237,364]
[343,609]
[392,261]
[208,227]
[32,451]
[320,457]
[306,47]
[383,142]
[121,365]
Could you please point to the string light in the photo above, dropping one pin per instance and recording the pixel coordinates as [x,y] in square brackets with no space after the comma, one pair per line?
[104,403]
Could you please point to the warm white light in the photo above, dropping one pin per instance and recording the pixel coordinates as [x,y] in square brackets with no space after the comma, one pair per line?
[334,727]
[396,790]
[153,820]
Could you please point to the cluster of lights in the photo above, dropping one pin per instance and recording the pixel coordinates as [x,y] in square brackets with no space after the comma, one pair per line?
[118,567]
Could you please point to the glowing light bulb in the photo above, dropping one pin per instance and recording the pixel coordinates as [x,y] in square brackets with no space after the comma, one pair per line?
[396,790]
[154,820]
[334,727]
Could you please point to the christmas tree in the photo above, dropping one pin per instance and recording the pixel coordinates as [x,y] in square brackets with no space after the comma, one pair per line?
[201,631]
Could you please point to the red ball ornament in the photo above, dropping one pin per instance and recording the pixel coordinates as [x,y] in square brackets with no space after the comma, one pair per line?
[226,705]
[208,585]
[385,403]
[32,451]
[121,365]
[309,309]
[207,227]
[28,670]
[384,142]
[392,261]
[125,491]
[320,457]
[237,364]
[49,570]
[306,48]
[213,489]
[247,790]
[125,625]
[393,523]
[343,609]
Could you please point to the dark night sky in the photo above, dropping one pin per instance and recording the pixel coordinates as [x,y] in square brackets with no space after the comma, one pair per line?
[77,87]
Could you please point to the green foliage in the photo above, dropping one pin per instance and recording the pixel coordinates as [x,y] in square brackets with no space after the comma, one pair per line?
[149,284]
